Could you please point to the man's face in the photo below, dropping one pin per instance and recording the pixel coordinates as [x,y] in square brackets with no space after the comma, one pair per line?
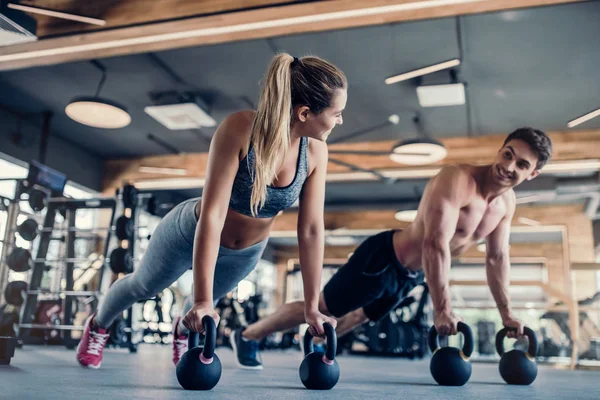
[515,163]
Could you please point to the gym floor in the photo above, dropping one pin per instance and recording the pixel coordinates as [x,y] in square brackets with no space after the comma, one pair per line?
[52,373]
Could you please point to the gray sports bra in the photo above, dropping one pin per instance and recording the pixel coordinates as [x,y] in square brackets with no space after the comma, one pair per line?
[278,198]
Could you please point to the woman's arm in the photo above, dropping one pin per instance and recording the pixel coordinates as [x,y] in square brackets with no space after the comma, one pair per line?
[223,162]
[311,237]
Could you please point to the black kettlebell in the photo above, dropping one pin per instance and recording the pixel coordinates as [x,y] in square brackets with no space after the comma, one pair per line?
[450,366]
[320,370]
[200,369]
[516,366]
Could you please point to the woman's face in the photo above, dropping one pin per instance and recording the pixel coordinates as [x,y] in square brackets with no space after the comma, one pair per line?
[319,126]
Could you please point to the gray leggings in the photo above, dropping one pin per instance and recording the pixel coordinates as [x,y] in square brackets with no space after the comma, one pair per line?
[168,256]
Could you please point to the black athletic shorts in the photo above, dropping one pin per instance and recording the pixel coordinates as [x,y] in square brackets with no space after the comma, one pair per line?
[373,278]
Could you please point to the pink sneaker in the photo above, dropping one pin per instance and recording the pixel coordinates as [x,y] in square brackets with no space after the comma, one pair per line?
[180,342]
[89,350]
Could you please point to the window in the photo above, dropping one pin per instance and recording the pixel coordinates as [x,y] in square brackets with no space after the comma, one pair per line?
[10,170]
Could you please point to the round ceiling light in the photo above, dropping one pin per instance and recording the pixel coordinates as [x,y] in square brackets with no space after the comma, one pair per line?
[418,152]
[98,113]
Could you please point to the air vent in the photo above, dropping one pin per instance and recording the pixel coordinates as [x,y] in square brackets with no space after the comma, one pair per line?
[181,116]
[441,95]
[16,27]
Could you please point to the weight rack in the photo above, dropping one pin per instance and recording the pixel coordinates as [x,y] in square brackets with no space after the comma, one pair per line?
[67,295]
[7,242]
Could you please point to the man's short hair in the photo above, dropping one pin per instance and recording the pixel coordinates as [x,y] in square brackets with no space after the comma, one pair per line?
[537,140]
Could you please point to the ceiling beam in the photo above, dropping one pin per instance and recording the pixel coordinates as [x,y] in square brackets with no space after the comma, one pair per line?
[361,222]
[517,250]
[585,266]
[118,14]
[243,25]
[567,147]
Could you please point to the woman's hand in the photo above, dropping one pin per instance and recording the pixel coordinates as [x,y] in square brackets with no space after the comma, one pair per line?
[315,320]
[193,318]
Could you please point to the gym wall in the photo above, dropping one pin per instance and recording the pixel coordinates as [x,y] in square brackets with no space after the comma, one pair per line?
[79,165]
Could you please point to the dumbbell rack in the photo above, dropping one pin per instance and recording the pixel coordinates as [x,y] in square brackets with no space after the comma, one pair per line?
[7,241]
[122,331]
[69,207]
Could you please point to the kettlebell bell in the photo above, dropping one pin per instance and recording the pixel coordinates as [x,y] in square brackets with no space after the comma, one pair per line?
[200,369]
[450,366]
[320,370]
[516,366]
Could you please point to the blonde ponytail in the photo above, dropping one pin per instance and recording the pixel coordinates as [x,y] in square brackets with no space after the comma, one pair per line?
[270,135]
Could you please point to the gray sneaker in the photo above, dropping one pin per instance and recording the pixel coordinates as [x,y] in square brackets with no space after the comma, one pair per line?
[247,355]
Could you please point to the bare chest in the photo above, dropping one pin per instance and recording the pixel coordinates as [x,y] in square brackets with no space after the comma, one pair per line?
[476,221]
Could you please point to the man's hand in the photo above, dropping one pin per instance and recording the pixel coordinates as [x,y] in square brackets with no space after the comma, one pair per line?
[315,320]
[446,323]
[510,322]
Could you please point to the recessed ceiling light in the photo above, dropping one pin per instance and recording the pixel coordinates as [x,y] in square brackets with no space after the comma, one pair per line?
[452,94]
[181,116]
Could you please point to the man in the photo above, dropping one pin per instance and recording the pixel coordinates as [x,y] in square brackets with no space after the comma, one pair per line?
[460,206]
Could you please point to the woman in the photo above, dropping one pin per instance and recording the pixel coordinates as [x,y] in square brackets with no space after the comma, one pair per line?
[260,162]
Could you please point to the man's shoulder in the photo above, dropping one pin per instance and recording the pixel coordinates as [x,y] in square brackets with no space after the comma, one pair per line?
[510,199]
[459,173]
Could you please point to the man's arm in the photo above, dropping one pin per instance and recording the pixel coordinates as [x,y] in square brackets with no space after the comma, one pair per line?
[497,262]
[440,208]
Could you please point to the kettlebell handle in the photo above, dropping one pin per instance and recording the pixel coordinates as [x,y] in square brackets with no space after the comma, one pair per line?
[331,341]
[531,337]
[210,330]
[463,328]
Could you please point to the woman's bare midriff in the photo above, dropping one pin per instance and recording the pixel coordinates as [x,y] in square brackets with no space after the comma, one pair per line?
[241,231]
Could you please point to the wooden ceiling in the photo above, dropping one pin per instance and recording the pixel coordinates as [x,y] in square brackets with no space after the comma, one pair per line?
[122,13]
[567,147]
[138,26]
